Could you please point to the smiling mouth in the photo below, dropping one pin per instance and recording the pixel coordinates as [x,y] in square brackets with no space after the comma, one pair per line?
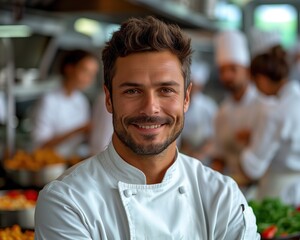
[148,122]
[149,126]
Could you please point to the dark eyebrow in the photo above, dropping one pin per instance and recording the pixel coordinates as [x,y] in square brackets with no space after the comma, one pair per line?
[130,84]
[163,84]
[169,83]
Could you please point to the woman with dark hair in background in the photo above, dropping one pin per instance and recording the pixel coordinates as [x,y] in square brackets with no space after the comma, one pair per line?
[63,115]
[273,156]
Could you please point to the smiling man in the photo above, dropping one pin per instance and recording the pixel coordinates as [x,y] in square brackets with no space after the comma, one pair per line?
[141,187]
[148,105]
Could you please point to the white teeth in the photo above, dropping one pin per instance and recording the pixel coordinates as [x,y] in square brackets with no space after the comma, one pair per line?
[149,127]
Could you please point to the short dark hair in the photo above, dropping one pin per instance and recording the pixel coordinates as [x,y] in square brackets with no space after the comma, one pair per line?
[273,64]
[143,35]
[73,57]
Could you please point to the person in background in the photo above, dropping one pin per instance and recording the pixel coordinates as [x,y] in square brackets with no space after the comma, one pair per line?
[62,117]
[273,157]
[236,115]
[196,136]
[141,186]
[102,127]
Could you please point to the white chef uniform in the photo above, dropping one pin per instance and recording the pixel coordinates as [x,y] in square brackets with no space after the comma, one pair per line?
[58,114]
[274,153]
[106,198]
[231,117]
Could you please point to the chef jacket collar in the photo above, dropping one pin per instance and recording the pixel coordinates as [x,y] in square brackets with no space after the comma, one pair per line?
[124,172]
[247,97]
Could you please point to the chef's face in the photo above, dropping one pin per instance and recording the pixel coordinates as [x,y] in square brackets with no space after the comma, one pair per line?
[263,84]
[84,72]
[233,76]
[148,101]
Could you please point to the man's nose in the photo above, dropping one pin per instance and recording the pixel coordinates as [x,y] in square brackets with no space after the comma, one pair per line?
[150,104]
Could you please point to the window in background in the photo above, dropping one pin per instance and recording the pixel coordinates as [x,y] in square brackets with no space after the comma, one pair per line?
[228,16]
[279,17]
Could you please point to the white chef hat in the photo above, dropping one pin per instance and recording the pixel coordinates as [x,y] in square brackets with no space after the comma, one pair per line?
[262,41]
[231,47]
[199,72]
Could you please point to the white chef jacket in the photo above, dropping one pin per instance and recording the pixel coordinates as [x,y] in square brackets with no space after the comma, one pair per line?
[57,114]
[233,116]
[106,198]
[198,125]
[275,149]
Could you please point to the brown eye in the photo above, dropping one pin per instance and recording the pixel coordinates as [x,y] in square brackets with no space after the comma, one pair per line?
[167,90]
[131,91]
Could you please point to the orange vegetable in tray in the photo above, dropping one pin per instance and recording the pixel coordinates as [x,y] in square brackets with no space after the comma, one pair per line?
[36,168]
[15,233]
[33,161]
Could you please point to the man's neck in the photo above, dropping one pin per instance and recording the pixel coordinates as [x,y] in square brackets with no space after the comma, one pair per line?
[154,167]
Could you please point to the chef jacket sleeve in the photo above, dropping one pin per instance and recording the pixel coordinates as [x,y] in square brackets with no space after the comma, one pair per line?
[265,142]
[57,218]
[242,221]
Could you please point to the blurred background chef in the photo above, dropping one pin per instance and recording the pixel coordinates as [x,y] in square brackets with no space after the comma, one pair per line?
[236,116]
[62,118]
[196,136]
[273,156]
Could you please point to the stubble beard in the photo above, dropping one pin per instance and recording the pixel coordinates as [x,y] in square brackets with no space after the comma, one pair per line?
[150,148]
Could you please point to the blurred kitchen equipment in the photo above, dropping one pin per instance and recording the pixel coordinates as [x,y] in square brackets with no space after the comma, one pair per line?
[9,79]
[24,217]
[27,77]
[34,169]
[39,178]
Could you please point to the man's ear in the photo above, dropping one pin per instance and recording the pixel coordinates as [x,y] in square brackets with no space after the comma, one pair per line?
[187,98]
[108,102]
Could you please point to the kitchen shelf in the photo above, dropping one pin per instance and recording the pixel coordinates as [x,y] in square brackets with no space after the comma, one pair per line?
[178,13]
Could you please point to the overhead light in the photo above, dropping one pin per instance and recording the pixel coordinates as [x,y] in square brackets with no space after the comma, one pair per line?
[14,31]
[87,26]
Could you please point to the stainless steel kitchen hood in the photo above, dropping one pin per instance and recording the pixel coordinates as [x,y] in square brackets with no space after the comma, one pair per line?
[179,13]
